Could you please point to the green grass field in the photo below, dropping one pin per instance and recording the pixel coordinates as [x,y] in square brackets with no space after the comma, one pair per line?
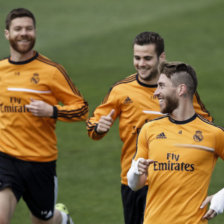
[93,41]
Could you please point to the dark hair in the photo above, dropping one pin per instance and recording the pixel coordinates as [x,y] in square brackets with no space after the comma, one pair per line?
[145,38]
[180,72]
[19,12]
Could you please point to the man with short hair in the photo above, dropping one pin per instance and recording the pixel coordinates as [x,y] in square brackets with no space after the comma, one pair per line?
[31,88]
[132,101]
[177,154]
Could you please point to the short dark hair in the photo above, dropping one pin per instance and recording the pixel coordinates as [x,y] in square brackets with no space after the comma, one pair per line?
[179,73]
[145,38]
[19,12]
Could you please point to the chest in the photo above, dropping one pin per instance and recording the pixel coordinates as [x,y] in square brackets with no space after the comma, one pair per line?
[139,104]
[191,147]
[20,83]
[24,76]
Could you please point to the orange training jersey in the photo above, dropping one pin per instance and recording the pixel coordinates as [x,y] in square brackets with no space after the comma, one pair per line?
[185,154]
[22,134]
[134,104]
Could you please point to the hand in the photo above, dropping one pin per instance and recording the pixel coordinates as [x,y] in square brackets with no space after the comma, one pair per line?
[105,122]
[210,213]
[143,165]
[40,108]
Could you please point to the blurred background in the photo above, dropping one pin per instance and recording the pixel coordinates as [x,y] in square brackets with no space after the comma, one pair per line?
[93,41]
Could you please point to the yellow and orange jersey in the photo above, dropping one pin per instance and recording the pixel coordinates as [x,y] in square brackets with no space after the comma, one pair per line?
[185,154]
[22,134]
[134,104]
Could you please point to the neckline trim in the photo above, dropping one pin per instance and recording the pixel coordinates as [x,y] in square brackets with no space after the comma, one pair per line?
[143,84]
[23,62]
[183,122]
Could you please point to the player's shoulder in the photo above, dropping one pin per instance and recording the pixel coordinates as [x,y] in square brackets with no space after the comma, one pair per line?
[157,121]
[121,87]
[152,125]
[4,60]
[48,62]
[210,124]
[125,81]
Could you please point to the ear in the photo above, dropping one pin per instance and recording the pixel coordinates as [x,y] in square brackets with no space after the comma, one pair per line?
[162,57]
[182,90]
[7,34]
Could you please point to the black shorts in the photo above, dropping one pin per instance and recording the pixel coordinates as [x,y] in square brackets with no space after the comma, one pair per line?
[36,182]
[133,204]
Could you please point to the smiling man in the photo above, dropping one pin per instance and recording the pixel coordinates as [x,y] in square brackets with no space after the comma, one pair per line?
[177,154]
[35,92]
[132,101]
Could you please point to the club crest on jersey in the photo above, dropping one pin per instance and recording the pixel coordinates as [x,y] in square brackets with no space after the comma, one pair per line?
[128,100]
[35,79]
[198,137]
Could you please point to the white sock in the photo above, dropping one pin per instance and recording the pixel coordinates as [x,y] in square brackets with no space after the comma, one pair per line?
[64,218]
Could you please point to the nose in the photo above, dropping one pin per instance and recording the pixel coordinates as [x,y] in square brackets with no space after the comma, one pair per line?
[23,31]
[141,62]
[157,92]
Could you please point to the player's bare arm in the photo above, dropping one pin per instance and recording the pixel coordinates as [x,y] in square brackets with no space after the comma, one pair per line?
[105,122]
[40,108]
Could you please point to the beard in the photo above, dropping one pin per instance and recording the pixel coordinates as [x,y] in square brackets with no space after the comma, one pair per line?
[151,75]
[171,103]
[22,49]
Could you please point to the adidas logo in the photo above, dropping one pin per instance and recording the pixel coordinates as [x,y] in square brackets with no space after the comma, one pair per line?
[161,136]
[128,100]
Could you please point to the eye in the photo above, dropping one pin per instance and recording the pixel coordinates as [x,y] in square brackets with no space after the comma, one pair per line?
[29,28]
[161,85]
[17,28]
[137,57]
[148,58]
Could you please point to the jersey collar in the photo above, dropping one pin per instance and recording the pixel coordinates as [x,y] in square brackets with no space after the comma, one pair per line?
[185,121]
[24,62]
[143,84]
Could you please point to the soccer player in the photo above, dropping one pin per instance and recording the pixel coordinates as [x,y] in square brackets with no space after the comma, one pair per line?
[132,101]
[31,88]
[177,153]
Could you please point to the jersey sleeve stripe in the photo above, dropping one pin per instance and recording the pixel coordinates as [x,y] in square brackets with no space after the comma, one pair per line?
[74,113]
[209,122]
[90,125]
[128,79]
[203,108]
[62,70]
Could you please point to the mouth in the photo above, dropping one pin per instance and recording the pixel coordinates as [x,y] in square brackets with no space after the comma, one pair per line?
[23,41]
[143,70]
[161,99]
